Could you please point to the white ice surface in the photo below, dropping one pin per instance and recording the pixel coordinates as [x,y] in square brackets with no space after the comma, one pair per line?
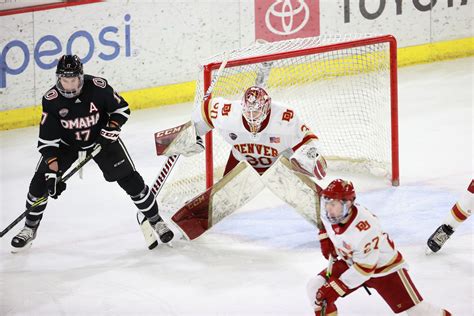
[89,256]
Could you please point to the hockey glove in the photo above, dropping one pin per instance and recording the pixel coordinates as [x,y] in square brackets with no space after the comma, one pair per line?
[54,185]
[108,135]
[327,247]
[331,291]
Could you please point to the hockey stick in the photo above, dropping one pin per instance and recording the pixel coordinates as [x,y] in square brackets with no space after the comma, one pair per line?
[45,197]
[145,226]
[328,275]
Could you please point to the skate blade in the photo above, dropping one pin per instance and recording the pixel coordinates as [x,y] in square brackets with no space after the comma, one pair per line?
[169,244]
[22,249]
[428,251]
[153,245]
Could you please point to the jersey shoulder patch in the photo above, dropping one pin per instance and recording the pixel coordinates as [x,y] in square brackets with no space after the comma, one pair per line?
[287,115]
[51,94]
[366,224]
[226,107]
[99,82]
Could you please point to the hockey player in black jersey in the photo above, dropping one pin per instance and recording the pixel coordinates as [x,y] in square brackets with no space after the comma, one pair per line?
[79,112]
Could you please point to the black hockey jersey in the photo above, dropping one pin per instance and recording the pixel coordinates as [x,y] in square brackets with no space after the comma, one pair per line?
[77,121]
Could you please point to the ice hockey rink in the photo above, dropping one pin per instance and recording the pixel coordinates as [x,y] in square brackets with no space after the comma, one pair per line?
[90,257]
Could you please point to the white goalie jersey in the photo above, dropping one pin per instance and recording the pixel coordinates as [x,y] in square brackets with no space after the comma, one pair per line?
[364,246]
[282,132]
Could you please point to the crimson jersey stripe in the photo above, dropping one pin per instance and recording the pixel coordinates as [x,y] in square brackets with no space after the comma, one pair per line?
[306,139]
[471,187]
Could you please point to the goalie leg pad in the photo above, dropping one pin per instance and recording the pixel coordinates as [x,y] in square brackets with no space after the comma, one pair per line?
[207,209]
[295,189]
[193,217]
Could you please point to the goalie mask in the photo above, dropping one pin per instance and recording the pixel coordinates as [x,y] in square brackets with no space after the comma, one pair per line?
[69,76]
[337,199]
[255,107]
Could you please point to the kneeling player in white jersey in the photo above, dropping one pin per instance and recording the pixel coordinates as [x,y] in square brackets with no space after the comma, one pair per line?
[260,131]
[367,257]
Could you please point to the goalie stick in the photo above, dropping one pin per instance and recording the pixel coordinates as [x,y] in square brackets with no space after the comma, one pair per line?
[147,230]
[64,178]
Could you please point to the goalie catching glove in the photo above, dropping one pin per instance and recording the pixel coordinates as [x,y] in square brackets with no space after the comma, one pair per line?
[308,161]
[179,140]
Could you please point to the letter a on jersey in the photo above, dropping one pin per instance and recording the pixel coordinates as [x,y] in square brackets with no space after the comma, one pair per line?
[93,108]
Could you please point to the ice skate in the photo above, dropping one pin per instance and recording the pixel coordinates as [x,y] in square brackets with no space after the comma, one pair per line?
[438,238]
[164,233]
[23,240]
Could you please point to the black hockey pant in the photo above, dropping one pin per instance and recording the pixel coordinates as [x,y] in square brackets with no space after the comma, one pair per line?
[116,166]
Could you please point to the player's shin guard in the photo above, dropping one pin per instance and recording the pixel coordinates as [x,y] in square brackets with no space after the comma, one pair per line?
[34,217]
[146,203]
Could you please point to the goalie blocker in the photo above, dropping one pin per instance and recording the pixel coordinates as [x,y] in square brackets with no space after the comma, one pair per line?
[179,140]
[241,185]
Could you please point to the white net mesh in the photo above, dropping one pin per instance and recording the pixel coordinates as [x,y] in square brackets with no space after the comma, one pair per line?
[342,95]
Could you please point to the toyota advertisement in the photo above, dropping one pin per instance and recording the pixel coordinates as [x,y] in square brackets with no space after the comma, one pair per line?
[282,20]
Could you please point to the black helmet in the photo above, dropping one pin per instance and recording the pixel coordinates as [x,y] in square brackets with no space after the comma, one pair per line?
[69,66]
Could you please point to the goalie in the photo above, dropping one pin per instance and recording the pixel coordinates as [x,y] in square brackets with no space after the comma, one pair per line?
[260,131]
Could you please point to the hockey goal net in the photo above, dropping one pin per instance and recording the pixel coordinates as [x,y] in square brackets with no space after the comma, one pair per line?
[344,88]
